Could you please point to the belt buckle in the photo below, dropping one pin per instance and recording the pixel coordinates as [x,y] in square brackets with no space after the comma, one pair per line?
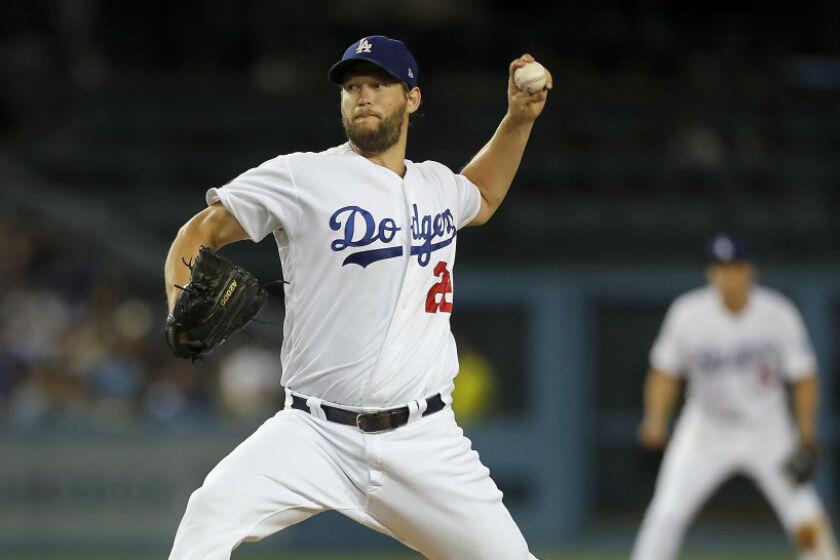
[362,416]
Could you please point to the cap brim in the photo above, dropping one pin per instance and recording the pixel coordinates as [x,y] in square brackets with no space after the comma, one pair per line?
[736,259]
[338,69]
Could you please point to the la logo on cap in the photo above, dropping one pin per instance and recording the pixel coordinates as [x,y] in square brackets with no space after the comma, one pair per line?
[364,46]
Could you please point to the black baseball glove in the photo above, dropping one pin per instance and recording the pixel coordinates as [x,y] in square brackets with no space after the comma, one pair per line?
[219,300]
[801,465]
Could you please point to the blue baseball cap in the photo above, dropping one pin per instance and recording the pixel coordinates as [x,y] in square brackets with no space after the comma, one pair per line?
[723,249]
[389,54]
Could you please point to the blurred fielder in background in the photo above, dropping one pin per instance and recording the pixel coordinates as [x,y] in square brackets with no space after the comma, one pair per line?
[736,344]
[367,243]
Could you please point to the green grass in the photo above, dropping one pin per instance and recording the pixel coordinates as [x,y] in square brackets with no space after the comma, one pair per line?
[390,556]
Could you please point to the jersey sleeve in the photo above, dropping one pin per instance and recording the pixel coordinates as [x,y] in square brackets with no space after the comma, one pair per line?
[469,200]
[262,199]
[797,353]
[666,355]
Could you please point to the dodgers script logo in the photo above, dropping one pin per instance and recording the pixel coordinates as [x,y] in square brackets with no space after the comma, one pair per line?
[359,228]
[740,359]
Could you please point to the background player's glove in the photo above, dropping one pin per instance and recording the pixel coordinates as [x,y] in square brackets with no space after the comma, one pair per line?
[219,300]
[802,463]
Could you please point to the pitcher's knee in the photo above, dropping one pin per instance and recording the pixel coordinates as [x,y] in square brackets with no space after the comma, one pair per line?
[207,507]
[477,542]
[504,544]
[207,530]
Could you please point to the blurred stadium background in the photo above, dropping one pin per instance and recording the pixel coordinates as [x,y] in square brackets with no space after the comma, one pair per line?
[665,125]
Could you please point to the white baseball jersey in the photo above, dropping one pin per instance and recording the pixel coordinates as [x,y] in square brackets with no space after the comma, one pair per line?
[368,257]
[735,363]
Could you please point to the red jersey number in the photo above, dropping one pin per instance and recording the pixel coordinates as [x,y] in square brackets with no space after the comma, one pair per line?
[442,288]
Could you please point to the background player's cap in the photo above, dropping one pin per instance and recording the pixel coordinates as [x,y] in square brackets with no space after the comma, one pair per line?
[389,54]
[723,248]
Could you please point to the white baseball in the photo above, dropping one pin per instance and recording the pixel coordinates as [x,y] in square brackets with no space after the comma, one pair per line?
[531,77]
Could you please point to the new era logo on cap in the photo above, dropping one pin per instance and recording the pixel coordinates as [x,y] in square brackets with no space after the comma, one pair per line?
[389,54]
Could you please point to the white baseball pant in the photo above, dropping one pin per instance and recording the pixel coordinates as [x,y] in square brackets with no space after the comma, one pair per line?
[704,452]
[421,484]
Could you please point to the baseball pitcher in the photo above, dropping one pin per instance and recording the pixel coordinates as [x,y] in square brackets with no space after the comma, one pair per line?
[367,241]
[737,345]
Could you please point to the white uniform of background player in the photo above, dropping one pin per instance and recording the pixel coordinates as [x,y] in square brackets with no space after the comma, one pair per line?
[737,345]
[367,244]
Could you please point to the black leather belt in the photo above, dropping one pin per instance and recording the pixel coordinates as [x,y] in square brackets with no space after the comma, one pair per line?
[371,422]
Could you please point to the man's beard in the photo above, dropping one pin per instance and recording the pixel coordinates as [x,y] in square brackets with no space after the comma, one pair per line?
[376,140]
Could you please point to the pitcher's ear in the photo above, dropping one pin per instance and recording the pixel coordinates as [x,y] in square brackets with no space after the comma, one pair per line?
[413,99]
